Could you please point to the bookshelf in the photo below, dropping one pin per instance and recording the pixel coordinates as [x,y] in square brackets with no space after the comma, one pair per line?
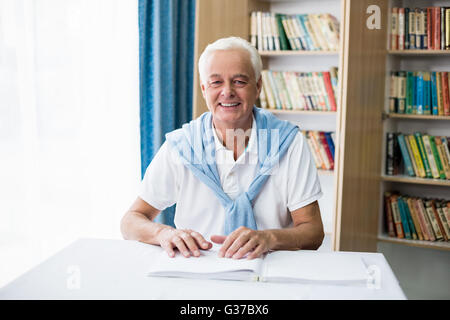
[417,60]
[349,222]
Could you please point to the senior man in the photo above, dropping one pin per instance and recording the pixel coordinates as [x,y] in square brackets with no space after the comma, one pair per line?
[239,176]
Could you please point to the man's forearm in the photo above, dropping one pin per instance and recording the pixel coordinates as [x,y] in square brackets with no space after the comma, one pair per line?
[136,226]
[305,236]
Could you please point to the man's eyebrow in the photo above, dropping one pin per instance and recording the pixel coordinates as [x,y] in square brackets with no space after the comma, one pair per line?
[241,75]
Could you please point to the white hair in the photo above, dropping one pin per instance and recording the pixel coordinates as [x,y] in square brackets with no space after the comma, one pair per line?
[227,44]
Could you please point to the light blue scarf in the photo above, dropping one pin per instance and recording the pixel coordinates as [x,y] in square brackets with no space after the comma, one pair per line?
[195,145]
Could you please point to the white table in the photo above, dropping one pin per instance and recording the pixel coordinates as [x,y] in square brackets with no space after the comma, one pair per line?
[116,269]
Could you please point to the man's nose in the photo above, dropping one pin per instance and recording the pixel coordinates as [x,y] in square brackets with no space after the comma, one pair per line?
[228,90]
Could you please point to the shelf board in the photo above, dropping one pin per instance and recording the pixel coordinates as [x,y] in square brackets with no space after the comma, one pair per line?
[305,112]
[419,52]
[296,53]
[415,116]
[415,180]
[440,245]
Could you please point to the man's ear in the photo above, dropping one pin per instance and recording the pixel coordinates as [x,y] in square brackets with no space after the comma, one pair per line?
[202,86]
[259,85]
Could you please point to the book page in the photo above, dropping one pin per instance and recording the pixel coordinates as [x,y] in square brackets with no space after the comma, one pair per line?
[207,265]
[308,265]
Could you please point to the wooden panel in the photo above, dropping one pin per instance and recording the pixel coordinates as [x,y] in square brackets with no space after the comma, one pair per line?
[216,19]
[363,83]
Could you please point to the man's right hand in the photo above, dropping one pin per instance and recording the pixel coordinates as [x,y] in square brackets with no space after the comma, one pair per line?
[187,241]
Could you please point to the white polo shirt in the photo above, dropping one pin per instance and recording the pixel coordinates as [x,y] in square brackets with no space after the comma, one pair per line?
[292,185]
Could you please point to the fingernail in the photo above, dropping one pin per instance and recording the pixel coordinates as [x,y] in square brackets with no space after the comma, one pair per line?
[196,253]
[186,254]
[228,255]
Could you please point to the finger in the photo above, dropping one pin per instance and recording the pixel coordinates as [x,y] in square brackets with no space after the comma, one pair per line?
[246,248]
[179,243]
[190,243]
[202,242]
[241,240]
[228,242]
[167,246]
[259,250]
[218,239]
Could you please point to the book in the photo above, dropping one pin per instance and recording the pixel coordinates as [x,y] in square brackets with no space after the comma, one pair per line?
[432,216]
[437,158]
[442,156]
[397,217]
[429,152]
[405,154]
[416,155]
[423,154]
[415,217]
[420,207]
[304,266]
[389,220]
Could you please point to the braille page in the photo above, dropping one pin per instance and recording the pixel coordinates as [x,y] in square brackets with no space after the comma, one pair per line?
[313,266]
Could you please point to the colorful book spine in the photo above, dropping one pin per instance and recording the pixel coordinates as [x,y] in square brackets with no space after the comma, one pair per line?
[405,154]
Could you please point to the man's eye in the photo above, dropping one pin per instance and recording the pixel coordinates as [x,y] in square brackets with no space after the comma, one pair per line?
[216,83]
[239,82]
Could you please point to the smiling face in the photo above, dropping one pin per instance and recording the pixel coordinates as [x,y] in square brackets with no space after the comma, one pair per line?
[230,88]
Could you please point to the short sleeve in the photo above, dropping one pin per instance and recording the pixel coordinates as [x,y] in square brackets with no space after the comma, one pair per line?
[160,185]
[303,180]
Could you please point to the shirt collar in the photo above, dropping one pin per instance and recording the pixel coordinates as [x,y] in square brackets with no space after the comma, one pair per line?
[252,146]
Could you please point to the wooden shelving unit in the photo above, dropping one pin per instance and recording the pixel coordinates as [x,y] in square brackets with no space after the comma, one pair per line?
[413,60]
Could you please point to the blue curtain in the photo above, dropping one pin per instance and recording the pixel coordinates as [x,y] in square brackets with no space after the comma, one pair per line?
[166,58]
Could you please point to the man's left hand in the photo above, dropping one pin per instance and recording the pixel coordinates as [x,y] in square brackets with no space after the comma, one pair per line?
[244,241]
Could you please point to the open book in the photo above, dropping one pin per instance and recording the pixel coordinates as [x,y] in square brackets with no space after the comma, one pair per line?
[305,266]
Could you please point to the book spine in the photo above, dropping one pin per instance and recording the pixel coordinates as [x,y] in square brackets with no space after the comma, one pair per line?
[284,43]
[389,154]
[447,28]
[446,152]
[432,217]
[434,100]
[430,36]
[329,89]
[401,91]
[445,93]
[401,29]
[412,29]
[393,92]
[415,217]
[317,160]
[324,143]
[420,206]
[409,218]
[404,219]
[417,156]
[442,156]
[438,220]
[394,28]
[330,142]
[406,158]
[430,157]
[443,220]
[397,218]
[423,154]
[419,92]
[411,156]
[316,148]
[436,157]
[437,28]
[388,215]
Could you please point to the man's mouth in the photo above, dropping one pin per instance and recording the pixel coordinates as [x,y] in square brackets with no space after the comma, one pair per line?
[229,105]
